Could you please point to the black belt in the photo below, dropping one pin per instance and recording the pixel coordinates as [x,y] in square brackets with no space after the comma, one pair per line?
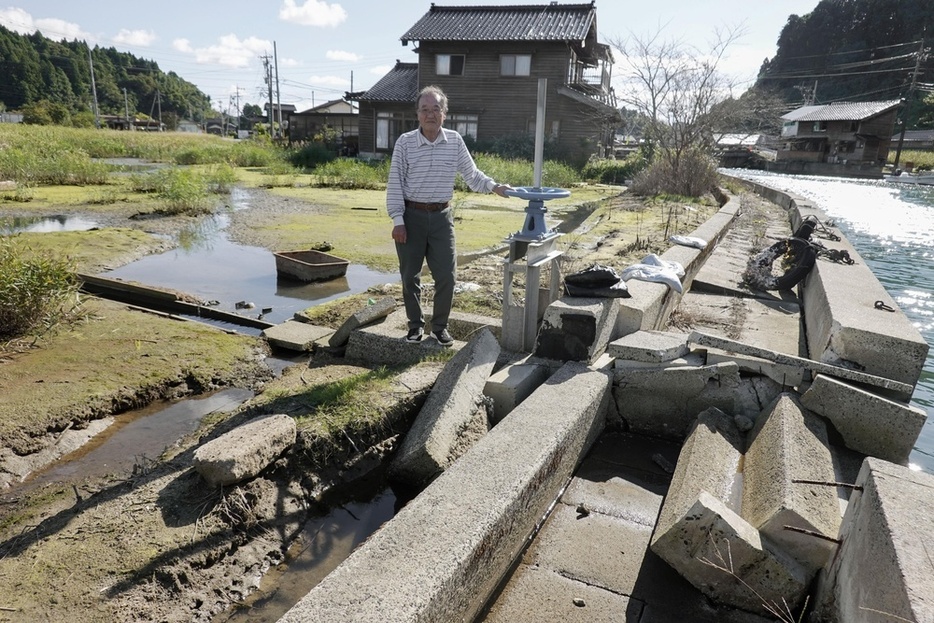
[427,207]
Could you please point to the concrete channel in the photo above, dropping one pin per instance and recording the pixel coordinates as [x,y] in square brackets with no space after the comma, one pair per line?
[744,467]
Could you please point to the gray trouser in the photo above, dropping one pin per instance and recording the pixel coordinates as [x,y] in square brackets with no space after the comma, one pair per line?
[430,237]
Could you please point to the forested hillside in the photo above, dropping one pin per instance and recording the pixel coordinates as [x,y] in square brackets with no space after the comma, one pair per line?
[57,75]
[857,50]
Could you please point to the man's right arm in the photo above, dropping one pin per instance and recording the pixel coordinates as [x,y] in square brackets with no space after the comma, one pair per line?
[395,199]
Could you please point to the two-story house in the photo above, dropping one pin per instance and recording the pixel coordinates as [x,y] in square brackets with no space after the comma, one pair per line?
[335,119]
[488,60]
[843,133]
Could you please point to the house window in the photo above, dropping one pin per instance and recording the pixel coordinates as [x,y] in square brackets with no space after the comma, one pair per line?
[465,125]
[388,128]
[820,126]
[450,65]
[515,64]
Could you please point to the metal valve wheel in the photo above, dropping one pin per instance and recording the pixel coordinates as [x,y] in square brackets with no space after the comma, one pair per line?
[535,193]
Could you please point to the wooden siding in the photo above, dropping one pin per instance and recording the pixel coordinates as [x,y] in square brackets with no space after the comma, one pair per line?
[503,104]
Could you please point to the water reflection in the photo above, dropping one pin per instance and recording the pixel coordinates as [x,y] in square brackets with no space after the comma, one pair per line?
[44,224]
[892,228]
[208,265]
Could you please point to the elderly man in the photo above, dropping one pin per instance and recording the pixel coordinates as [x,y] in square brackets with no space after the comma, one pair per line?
[418,195]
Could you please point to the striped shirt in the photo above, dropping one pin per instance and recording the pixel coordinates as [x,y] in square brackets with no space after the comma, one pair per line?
[424,171]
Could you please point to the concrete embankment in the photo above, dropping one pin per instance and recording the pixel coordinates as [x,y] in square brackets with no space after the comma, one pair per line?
[754,437]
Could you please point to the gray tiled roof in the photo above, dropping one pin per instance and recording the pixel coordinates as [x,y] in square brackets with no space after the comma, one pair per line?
[841,111]
[548,22]
[399,85]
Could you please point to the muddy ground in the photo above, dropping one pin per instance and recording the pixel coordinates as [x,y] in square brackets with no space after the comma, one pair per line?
[158,544]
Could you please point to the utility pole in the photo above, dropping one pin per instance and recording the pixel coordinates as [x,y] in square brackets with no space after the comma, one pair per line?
[126,109]
[271,111]
[275,57]
[919,56]
[97,116]
[159,104]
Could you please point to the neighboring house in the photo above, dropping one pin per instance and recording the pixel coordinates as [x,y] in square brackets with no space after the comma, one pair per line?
[847,133]
[918,140]
[286,111]
[488,60]
[340,116]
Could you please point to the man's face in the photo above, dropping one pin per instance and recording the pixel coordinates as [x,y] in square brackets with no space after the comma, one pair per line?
[430,115]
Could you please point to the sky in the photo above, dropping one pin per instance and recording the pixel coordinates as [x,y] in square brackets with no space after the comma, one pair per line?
[322,48]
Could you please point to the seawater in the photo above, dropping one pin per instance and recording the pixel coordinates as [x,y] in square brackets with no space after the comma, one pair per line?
[892,228]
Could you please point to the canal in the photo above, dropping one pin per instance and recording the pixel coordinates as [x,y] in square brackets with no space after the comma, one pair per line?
[892,228]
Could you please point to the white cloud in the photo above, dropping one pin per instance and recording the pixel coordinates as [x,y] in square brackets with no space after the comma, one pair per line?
[20,21]
[289,62]
[329,81]
[381,70]
[340,55]
[312,13]
[182,45]
[142,38]
[229,51]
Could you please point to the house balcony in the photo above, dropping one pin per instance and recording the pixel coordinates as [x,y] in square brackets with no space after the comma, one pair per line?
[592,81]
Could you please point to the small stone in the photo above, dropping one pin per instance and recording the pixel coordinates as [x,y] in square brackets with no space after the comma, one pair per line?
[664,463]
[743,423]
[579,602]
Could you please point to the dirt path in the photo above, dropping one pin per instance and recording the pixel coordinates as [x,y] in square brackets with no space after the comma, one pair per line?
[158,544]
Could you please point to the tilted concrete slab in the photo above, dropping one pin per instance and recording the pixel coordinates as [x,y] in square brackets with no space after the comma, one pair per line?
[728,560]
[649,346]
[577,328]
[844,325]
[709,461]
[453,418]
[788,445]
[666,401]
[512,384]
[445,552]
[883,571]
[245,451]
[295,335]
[868,423]
[773,325]
[377,310]
[896,387]
[700,535]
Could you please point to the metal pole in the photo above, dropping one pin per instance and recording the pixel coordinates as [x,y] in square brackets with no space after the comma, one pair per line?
[97,116]
[540,131]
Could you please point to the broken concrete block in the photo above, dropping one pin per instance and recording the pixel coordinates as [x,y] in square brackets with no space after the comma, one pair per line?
[295,335]
[883,569]
[789,444]
[512,384]
[577,329]
[453,418]
[722,555]
[245,451]
[868,423]
[709,461]
[665,401]
[783,374]
[379,309]
[649,346]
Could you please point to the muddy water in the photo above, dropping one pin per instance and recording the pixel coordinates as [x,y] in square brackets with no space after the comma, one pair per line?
[324,543]
[210,266]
